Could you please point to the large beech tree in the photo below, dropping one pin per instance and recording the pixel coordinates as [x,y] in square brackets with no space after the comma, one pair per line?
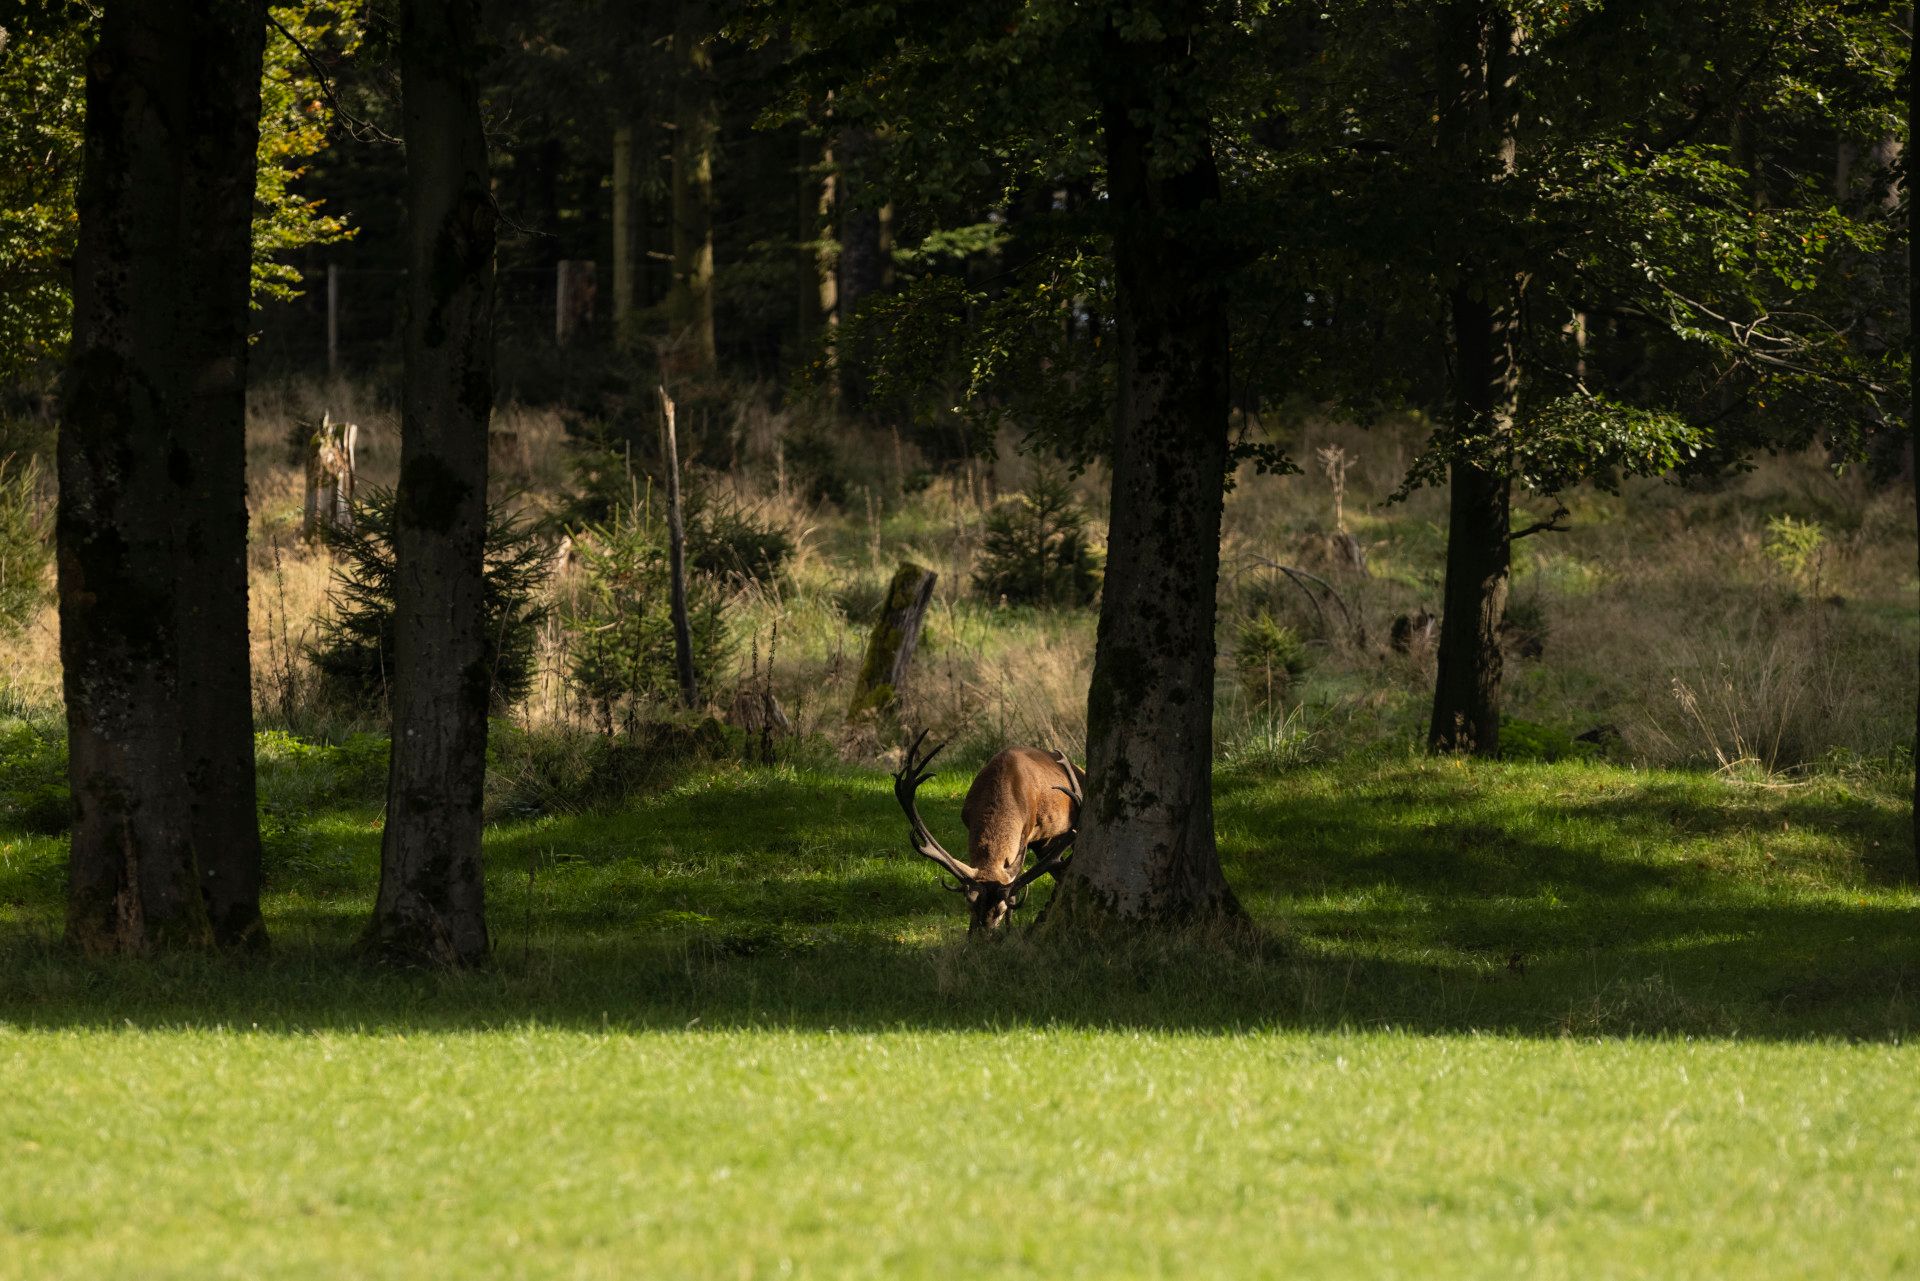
[1146,849]
[152,518]
[431,907]
[1119,99]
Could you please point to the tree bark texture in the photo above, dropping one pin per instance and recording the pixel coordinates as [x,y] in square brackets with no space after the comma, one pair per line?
[866,251]
[1477,131]
[152,523]
[431,907]
[690,304]
[1146,848]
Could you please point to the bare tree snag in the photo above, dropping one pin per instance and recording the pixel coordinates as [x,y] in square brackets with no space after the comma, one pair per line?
[896,633]
[431,908]
[330,478]
[677,564]
[152,519]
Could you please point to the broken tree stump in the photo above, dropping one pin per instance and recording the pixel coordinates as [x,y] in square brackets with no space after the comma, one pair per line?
[330,473]
[895,634]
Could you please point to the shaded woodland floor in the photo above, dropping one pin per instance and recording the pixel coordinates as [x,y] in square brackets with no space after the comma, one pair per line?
[1437,896]
[1572,1020]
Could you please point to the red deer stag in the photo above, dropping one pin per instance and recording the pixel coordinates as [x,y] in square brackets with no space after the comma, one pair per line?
[1016,803]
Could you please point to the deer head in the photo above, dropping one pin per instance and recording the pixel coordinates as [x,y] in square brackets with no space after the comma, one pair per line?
[993,893]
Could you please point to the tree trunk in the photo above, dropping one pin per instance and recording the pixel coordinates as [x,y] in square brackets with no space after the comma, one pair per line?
[626,241]
[432,903]
[1477,129]
[896,634]
[865,253]
[1146,847]
[690,305]
[811,204]
[216,714]
[152,520]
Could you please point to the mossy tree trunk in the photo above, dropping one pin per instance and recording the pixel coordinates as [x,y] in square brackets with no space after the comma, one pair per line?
[431,907]
[690,304]
[1146,850]
[152,520]
[1477,128]
[896,633]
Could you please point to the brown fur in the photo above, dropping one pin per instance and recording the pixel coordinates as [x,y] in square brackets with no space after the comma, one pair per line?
[1014,805]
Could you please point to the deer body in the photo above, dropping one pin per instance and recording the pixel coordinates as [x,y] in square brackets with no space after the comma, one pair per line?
[1022,799]
[1015,804]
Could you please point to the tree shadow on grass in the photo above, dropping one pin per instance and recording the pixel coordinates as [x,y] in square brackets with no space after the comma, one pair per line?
[1403,896]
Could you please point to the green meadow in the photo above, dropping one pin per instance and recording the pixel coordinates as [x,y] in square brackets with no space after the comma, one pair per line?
[1563,1019]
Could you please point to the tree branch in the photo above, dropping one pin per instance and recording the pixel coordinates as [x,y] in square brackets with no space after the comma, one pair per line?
[1551,525]
[357,129]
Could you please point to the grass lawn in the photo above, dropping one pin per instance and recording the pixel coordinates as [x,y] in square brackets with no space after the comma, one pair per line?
[1566,1019]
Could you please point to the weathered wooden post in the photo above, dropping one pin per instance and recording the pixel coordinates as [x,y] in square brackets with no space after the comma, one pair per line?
[895,634]
[677,564]
[330,473]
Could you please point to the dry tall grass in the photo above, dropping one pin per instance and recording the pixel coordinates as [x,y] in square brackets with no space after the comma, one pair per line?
[1665,618]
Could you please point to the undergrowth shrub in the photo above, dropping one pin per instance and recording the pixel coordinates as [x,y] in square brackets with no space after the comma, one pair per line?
[728,538]
[619,622]
[1269,656]
[817,466]
[1523,740]
[296,773]
[570,771]
[33,778]
[859,598]
[354,650]
[1037,549]
[24,553]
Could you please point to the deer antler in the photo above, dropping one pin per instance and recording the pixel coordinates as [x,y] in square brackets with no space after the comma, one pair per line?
[1057,860]
[906,781]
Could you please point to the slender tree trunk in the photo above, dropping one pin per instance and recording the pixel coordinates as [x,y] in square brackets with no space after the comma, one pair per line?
[626,241]
[690,305]
[152,520]
[432,903]
[865,252]
[1477,130]
[1466,699]
[677,565]
[809,207]
[1146,848]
